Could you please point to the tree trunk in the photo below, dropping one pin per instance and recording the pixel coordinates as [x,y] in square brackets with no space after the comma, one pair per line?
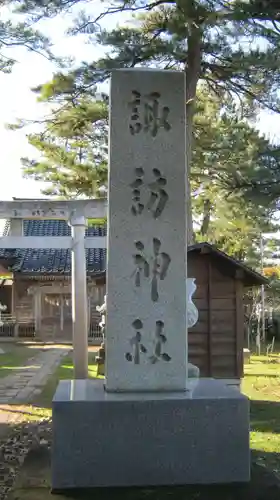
[192,70]
[206,218]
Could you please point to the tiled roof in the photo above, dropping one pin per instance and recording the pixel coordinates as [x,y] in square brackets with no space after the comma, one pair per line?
[52,261]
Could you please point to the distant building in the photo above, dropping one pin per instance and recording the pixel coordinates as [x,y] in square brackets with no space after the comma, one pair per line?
[39,296]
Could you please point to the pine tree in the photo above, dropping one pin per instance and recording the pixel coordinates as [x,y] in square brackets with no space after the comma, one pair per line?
[19,34]
[73,146]
[232,46]
[228,153]
[74,162]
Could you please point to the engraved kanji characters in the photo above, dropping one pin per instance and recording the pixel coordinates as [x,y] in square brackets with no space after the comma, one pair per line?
[159,340]
[137,207]
[139,348]
[158,269]
[161,264]
[147,114]
[136,126]
[158,195]
[136,344]
[141,263]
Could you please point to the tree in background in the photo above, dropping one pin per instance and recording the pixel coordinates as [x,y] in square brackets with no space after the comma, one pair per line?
[273,290]
[73,146]
[229,154]
[232,47]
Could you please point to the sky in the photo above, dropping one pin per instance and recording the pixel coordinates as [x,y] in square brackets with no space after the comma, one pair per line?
[18,101]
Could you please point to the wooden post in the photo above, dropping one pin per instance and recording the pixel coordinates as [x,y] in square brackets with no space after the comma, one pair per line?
[16,229]
[239,328]
[210,350]
[89,311]
[38,310]
[13,305]
[61,313]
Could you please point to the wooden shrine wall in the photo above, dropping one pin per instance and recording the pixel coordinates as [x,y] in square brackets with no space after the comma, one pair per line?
[216,341]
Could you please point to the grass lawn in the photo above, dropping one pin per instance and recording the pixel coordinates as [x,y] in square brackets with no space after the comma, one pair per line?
[262,385]
[15,356]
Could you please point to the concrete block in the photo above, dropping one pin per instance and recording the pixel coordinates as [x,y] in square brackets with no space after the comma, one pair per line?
[105,439]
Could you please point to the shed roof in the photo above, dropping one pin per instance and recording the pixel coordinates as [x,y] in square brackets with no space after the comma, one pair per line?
[231,266]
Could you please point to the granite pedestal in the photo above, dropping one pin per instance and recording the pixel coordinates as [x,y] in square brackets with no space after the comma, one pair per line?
[105,439]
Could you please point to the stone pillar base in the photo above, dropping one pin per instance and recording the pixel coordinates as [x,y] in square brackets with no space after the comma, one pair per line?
[151,439]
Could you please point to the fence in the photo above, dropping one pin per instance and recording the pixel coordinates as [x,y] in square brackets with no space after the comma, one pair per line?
[95,333]
[9,327]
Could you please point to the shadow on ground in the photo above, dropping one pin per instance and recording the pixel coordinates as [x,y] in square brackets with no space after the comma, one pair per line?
[33,482]
[265,416]
[5,429]
[33,479]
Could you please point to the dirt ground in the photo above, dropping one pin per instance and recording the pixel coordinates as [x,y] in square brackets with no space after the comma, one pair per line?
[9,418]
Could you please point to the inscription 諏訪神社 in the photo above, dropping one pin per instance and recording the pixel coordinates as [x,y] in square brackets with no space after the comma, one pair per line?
[146,270]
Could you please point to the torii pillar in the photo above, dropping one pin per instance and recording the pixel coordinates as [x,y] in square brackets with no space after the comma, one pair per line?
[79,297]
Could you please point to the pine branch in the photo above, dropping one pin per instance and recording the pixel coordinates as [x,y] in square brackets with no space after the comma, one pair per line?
[89,26]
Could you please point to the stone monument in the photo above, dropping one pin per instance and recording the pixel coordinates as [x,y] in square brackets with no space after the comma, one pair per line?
[192,315]
[148,424]
[146,274]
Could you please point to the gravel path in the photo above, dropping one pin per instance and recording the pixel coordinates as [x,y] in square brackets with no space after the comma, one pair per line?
[13,450]
[17,435]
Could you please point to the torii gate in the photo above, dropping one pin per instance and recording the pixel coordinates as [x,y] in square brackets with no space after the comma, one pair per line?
[76,212]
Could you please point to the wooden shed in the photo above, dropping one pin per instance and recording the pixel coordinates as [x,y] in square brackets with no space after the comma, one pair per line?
[216,342]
